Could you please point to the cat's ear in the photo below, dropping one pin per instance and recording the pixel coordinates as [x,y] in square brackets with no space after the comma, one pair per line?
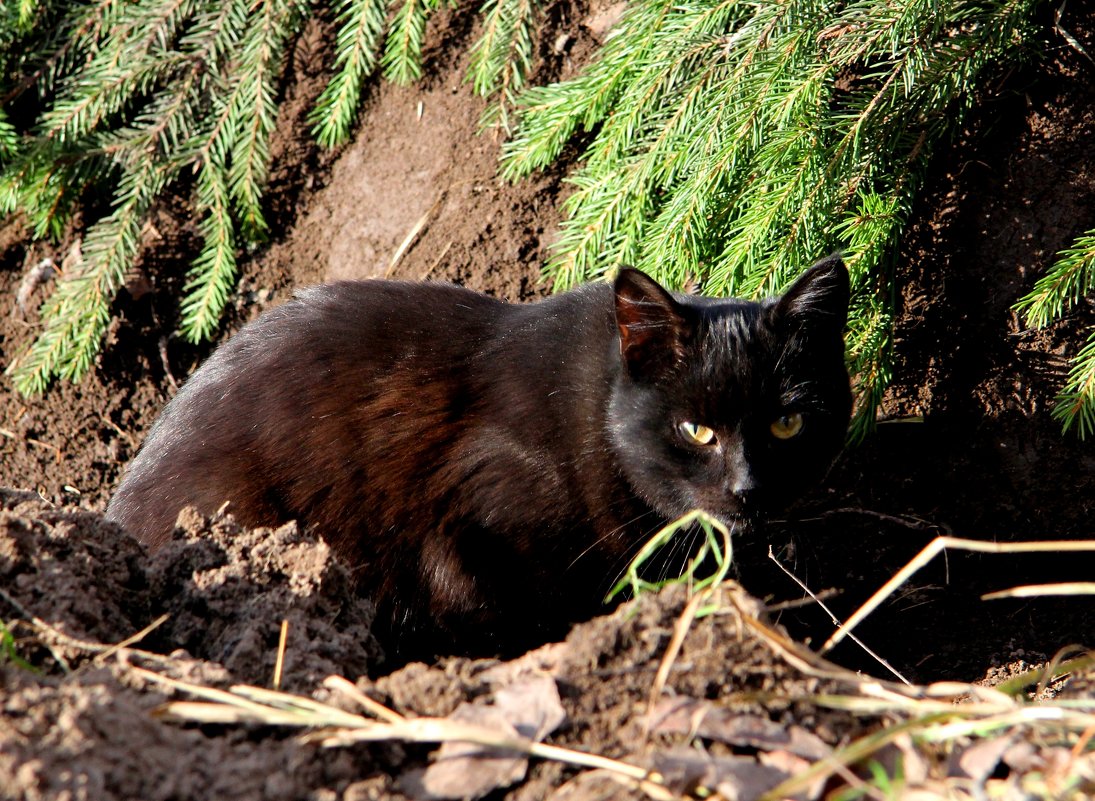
[819,297]
[651,323]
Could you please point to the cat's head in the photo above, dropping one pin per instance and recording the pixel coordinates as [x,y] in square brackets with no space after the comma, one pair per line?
[730,406]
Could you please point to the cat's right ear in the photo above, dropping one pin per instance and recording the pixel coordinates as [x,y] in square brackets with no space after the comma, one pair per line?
[819,298]
[651,323]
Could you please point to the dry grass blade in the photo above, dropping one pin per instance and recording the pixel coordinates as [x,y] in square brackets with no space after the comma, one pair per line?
[255,704]
[930,551]
[1057,716]
[680,631]
[934,722]
[224,713]
[280,662]
[349,689]
[247,704]
[1038,590]
[101,650]
[851,754]
[832,616]
[412,235]
[794,653]
[440,730]
[691,610]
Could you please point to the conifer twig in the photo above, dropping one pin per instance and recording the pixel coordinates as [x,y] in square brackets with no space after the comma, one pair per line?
[136,94]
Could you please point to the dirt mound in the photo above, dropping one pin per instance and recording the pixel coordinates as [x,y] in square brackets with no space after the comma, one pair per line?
[91,735]
[224,591]
[228,590]
[79,722]
[723,700]
[83,728]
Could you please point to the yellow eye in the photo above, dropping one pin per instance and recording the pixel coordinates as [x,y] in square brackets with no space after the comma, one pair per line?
[700,435]
[787,426]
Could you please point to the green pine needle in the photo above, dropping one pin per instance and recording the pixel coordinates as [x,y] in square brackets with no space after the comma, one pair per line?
[362,26]
[213,274]
[402,59]
[1068,281]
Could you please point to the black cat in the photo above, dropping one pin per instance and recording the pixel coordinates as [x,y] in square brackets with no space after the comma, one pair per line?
[488,469]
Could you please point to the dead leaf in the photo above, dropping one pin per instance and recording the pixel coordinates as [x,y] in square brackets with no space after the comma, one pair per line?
[1022,757]
[465,770]
[979,761]
[900,756]
[793,765]
[528,709]
[734,778]
[532,706]
[36,276]
[704,719]
[597,784]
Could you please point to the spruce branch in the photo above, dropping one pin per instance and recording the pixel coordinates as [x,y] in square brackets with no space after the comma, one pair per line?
[135,92]
[402,59]
[27,11]
[78,312]
[261,64]
[55,44]
[502,57]
[44,181]
[1076,403]
[213,274]
[550,115]
[227,104]
[83,105]
[362,24]
[9,138]
[1059,291]
[1069,280]
[733,142]
[129,63]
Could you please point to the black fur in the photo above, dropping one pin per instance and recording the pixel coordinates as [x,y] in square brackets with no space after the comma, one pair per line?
[488,469]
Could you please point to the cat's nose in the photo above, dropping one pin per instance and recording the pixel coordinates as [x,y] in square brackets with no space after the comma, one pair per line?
[741,481]
[746,493]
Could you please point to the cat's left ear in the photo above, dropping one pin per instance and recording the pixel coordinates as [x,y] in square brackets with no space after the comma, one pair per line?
[819,297]
[652,325]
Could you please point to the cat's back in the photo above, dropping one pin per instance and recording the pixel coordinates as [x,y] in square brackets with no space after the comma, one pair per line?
[378,321]
[282,395]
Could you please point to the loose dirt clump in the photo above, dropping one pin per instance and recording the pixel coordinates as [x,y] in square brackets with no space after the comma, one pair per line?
[74,570]
[92,736]
[223,591]
[227,592]
[75,720]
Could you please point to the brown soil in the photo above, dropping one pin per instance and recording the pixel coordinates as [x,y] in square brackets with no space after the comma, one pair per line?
[984,460]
